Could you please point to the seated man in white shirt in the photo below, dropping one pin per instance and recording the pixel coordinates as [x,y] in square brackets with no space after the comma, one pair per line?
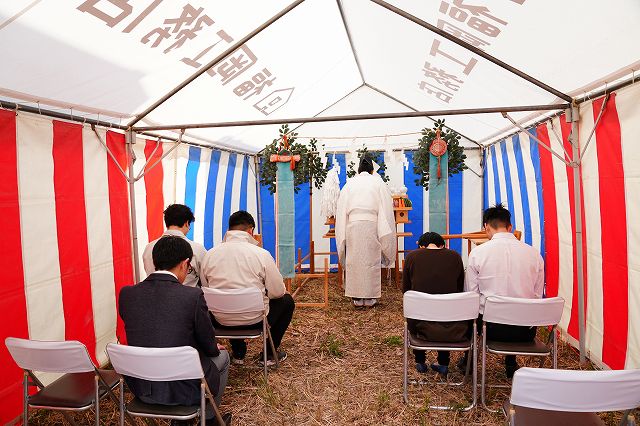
[178,219]
[505,266]
[240,263]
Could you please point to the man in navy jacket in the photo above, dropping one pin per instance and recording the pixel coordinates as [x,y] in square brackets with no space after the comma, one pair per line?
[160,312]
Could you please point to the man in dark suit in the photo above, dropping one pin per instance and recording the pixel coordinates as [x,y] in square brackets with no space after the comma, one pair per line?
[160,312]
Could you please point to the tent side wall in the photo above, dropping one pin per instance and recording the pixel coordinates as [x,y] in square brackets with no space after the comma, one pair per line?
[68,246]
[465,191]
[538,190]
[212,183]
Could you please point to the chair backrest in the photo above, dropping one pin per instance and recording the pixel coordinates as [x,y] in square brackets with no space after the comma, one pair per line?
[68,356]
[234,301]
[441,307]
[575,390]
[156,364]
[525,312]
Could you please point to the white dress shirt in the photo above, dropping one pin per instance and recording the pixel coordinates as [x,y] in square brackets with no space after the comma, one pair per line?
[198,253]
[240,263]
[505,266]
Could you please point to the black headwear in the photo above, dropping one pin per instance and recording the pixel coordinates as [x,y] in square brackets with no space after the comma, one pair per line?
[366,164]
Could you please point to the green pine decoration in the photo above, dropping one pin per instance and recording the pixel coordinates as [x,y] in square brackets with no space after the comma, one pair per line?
[309,167]
[421,156]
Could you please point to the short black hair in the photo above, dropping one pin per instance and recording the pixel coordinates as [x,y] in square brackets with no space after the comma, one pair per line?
[431,238]
[241,220]
[496,216]
[177,215]
[169,251]
[366,164]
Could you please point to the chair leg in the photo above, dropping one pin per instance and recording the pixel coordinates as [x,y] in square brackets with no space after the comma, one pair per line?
[474,372]
[203,407]
[213,403]
[121,401]
[265,336]
[555,348]
[484,367]
[273,348]
[405,361]
[97,384]
[25,399]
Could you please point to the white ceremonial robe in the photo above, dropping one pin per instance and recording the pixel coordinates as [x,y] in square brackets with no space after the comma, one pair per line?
[365,234]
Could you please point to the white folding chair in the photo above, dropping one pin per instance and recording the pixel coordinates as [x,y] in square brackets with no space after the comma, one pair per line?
[441,308]
[520,312]
[237,302]
[81,386]
[161,365]
[542,396]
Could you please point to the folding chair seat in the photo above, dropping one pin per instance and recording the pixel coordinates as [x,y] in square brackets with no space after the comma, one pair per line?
[81,386]
[520,312]
[238,302]
[161,365]
[541,396]
[440,308]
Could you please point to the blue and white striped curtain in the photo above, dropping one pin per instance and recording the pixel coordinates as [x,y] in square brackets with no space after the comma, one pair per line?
[214,184]
[465,206]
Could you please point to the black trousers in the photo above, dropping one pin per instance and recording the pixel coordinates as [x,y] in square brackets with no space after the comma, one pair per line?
[279,318]
[507,333]
[421,357]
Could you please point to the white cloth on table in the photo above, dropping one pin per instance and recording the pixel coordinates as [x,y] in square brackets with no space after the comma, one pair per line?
[198,253]
[505,266]
[365,233]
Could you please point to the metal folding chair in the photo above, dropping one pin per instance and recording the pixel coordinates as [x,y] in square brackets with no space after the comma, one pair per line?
[237,302]
[520,312]
[441,308]
[542,396]
[161,365]
[81,386]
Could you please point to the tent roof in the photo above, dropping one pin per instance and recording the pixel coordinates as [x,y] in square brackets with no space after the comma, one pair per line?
[321,58]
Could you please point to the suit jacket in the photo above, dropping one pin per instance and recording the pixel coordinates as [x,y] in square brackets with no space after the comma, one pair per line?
[160,312]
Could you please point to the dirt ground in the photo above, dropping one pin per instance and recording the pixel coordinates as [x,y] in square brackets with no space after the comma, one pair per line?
[344,367]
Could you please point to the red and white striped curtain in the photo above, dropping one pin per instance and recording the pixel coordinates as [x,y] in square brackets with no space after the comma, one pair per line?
[66,249]
[610,213]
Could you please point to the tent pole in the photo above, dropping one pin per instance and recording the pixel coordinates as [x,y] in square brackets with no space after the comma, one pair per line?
[130,140]
[473,49]
[574,116]
[214,62]
[405,114]
[259,204]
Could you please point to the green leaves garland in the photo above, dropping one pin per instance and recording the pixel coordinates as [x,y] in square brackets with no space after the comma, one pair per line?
[376,156]
[454,150]
[309,167]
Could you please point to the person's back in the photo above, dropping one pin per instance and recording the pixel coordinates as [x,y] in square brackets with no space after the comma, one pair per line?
[434,269]
[178,219]
[364,191]
[161,312]
[239,263]
[505,266]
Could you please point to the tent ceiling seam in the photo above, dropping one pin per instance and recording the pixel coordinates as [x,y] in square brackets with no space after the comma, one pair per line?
[353,49]
[393,98]
[215,61]
[473,49]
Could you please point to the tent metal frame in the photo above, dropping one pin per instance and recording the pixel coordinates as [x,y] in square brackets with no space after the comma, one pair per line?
[406,114]
[131,130]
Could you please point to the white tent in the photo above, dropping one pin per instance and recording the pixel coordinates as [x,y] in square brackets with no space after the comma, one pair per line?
[348,72]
